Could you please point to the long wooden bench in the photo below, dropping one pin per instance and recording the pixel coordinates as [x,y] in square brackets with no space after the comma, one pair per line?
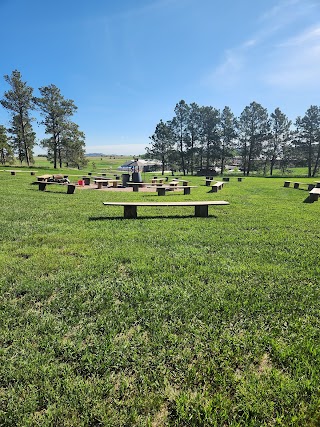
[201,208]
[186,189]
[314,194]
[42,186]
[297,184]
[135,185]
[217,186]
[101,182]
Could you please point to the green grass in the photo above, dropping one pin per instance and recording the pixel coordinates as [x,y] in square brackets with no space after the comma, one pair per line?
[166,320]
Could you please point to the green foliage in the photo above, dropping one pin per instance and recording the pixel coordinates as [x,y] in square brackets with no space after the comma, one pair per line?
[167,320]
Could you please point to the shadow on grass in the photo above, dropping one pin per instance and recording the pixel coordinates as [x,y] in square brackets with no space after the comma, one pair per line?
[51,191]
[308,200]
[141,217]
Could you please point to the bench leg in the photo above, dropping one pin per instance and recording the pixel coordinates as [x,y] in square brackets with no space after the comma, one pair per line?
[161,191]
[313,197]
[130,212]
[42,186]
[202,211]
[286,184]
[186,191]
[296,185]
[310,187]
[135,188]
[71,189]
[214,189]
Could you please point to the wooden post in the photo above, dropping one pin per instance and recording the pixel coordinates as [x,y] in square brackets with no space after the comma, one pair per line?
[201,211]
[186,190]
[71,189]
[130,212]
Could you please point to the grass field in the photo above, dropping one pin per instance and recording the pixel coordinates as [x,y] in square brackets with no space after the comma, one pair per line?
[166,320]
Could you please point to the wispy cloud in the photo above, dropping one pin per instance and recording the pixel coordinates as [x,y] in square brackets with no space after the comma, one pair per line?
[285,51]
[296,61]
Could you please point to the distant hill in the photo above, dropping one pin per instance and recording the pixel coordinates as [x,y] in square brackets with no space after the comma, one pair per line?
[95,154]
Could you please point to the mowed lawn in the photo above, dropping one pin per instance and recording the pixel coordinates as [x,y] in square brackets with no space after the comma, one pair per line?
[166,320]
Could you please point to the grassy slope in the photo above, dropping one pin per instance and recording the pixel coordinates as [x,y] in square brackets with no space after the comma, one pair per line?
[164,320]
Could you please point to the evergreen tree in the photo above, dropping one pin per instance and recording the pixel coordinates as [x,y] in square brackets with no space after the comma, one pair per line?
[253,132]
[308,138]
[19,101]
[6,152]
[56,111]
[228,126]
[162,144]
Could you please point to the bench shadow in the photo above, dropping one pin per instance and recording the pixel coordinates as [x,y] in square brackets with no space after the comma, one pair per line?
[51,191]
[141,217]
[308,200]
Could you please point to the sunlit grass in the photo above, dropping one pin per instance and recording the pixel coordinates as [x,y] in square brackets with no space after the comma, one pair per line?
[164,320]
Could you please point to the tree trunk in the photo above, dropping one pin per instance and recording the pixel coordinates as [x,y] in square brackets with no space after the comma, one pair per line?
[317,162]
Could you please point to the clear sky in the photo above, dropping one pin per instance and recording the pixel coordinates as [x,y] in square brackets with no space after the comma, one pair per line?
[126,63]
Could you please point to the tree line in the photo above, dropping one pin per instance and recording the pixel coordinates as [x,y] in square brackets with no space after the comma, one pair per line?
[65,142]
[203,137]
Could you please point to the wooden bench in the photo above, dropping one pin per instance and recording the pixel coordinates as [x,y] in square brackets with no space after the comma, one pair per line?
[297,185]
[101,182]
[201,207]
[136,185]
[42,185]
[186,189]
[157,180]
[114,182]
[217,186]
[314,194]
[43,177]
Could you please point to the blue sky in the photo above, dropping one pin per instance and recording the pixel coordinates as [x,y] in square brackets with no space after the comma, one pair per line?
[127,63]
